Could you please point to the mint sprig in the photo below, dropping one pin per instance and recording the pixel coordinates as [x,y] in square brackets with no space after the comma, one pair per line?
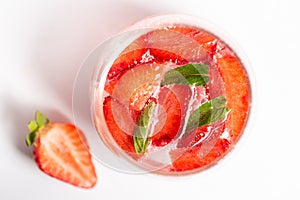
[208,113]
[190,74]
[140,137]
[34,126]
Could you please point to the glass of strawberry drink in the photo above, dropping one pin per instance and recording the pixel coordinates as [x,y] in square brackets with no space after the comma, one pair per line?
[168,96]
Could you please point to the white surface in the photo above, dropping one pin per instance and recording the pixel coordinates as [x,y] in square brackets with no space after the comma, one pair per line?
[43,43]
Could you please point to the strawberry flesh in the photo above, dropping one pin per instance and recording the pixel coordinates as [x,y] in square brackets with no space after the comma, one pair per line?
[200,154]
[136,58]
[61,151]
[122,137]
[171,121]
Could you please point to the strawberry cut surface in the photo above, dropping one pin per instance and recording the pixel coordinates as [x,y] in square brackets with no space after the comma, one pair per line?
[61,151]
[137,85]
[171,122]
[122,138]
[139,56]
[132,59]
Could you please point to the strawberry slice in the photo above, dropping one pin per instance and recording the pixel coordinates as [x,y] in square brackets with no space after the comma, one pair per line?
[169,118]
[141,55]
[61,151]
[237,93]
[137,85]
[136,58]
[205,39]
[190,159]
[122,136]
[171,41]
[200,154]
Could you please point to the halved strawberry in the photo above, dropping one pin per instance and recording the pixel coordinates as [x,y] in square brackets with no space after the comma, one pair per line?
[61,151]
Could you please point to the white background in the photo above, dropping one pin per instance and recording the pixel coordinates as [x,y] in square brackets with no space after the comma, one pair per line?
[43,43]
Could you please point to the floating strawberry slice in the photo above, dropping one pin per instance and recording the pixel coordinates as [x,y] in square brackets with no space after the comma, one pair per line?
[171,41]
[132,59]
[202,153]
[205,39]
[141,55]
[190,159]
[137,85]
[61,151]
[182,102]
[237,93]
[121,126]
[169,120]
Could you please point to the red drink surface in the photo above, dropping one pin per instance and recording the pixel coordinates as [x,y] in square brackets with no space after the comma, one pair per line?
[133,81]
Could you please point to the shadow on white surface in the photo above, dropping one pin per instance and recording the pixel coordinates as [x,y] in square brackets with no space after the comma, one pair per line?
[69,34]
[65,36]
[17,115]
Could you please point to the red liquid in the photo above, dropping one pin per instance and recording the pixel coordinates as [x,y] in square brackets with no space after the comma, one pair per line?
[133,82]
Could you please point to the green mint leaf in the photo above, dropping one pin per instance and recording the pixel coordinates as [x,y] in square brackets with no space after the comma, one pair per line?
[190,74]
[140,138]
[209,112]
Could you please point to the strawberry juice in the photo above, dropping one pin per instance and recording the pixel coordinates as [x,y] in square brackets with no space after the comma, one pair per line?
[175,99]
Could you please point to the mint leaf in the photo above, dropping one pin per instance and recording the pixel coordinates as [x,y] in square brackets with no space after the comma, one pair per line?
[190,74]
[209,112]
[140,138]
